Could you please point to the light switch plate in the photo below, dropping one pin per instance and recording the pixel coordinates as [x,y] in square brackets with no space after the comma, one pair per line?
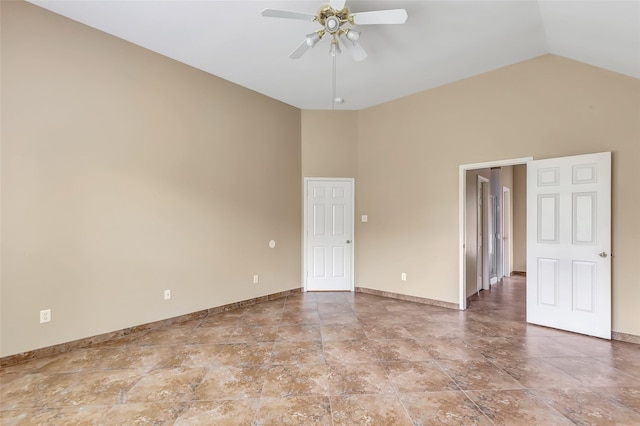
[364,218]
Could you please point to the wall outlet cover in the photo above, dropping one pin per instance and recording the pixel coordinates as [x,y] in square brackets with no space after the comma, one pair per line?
[45,316]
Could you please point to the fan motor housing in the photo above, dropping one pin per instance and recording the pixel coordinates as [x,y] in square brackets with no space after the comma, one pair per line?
[328,17]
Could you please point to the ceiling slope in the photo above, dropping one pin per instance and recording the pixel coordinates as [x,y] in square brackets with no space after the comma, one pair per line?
[442,42]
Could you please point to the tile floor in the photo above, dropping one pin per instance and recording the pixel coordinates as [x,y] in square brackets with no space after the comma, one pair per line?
[338,359]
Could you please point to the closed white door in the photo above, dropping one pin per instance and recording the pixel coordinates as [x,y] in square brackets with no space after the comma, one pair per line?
[569,243]
[329,235]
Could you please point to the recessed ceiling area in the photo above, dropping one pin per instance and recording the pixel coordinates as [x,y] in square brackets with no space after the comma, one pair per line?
[441,42]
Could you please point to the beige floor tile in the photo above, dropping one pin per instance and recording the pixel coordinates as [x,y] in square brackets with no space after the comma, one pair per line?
[400,350]
[256,334]
[386,332]
[223,412]
[137,358]
[96,388]
[356,410]
[72,362]
[626,395]
[591,372]
[587,406]
[364,378]
[297,353]
[478,374]
[151,413]
[625,363]
[82,416]
[231,383]
[516,407]
[175,384]
[424,376]
[293,317]
[216,334]
[225,319]
[350,351]
[338,318]
[443,408]
[193,356]
[35,390]
[449,348]
[294,411]
[296,380]
[298,333]
[335,332]
[537,373]
[260,319]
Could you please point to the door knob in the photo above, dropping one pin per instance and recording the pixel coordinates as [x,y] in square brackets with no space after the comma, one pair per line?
[603,254]
[348,241]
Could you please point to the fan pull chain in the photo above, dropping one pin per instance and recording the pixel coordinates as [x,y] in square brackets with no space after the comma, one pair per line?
[333,97]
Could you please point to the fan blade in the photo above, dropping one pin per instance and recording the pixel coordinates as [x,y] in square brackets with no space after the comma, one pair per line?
[276,13]
[356,51]
[394,16]
[337,4]
[300,50]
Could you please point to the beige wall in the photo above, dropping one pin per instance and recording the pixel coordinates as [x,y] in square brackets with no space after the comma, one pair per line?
[125,173]
[409,151]
[329,140]
[519,199]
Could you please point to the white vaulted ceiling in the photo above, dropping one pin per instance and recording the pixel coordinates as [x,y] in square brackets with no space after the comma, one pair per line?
[442,41]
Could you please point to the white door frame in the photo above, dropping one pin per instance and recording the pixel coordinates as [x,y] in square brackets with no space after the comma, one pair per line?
[462,188]
[481,233]
[305,229]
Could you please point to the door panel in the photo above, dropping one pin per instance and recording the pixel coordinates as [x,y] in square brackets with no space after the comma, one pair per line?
[569,243]
[329,235]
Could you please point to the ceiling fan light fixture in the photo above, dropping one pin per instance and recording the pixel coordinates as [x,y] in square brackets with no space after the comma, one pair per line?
[313,38]
[352,35]
[334,18]
[332,24]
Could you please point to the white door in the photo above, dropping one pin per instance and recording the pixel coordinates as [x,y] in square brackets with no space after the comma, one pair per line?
[329,235]
[569,243]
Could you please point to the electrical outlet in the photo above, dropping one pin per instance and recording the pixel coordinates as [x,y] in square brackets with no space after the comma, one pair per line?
[45,316]
[256,279]
[167,294]
[403,276]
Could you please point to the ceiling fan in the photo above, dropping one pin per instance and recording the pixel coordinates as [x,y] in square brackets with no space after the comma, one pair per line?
[336,21]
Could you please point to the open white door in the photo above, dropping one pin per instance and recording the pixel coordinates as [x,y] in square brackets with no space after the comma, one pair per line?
[569,243]
[329,234]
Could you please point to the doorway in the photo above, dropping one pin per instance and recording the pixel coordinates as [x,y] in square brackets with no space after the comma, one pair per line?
[568,242]
[462,271]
